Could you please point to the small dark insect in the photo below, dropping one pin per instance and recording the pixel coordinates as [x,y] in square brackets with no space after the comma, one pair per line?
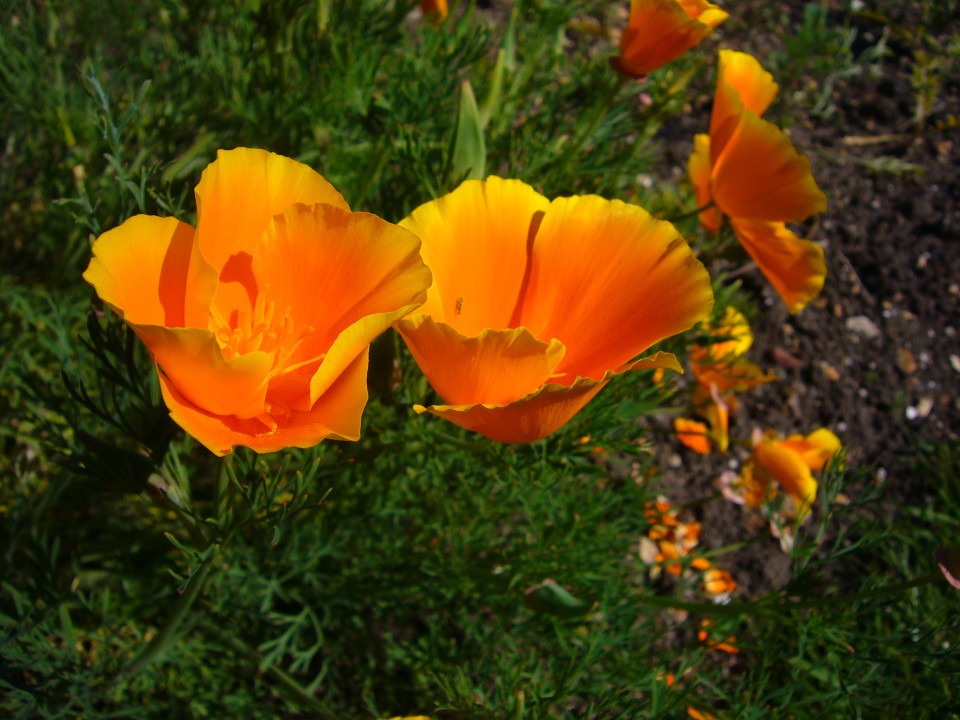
[459,305]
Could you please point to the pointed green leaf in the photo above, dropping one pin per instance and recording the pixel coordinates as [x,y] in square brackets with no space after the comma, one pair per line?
[470,150]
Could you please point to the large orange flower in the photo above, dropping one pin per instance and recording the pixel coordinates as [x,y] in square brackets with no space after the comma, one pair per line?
[659,31]
[751,173]
[536,305]
[260,320]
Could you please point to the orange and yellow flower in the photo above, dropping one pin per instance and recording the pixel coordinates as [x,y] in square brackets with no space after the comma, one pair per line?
[788,465]
[750,172]
[259,321]
[536,305]
[659,31]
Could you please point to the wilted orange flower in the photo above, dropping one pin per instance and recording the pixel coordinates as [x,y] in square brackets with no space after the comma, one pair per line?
[437,8]
[720,371]
[659,31]
[787,464]
[260,320]
[536,305]
[751,173]
[718,582]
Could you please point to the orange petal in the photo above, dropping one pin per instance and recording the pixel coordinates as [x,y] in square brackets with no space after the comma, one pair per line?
[742,84]
[497,367]
[191,358]
[760,176]
[242,189]
[700,169]
[540,413]
[336,415]
[529,419]
[659,31]
[608,280]
[348,276]
[816,448]
[795,267]
[476,242]
[790,472]
[150,271]
[693,434]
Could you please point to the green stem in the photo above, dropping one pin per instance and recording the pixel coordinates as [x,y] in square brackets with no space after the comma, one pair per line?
[691,213]
[768,607]
[170,634]
[292,689]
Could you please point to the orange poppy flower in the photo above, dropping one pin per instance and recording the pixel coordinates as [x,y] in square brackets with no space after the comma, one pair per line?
[790,464]
[536,305]
[659,31]
[259,321]
[749,170]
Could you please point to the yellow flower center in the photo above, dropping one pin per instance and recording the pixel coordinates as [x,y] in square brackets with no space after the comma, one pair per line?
[263,329]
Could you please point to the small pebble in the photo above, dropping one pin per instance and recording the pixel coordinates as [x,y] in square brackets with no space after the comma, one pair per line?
[862,325]
[905,361]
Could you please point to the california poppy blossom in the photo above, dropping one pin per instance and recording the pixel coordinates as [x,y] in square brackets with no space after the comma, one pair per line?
[259,321]
[659,31]
[536,305]
[749,171]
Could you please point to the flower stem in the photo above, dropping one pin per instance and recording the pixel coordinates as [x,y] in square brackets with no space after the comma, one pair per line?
[170,634]
[294,692]
[691,213]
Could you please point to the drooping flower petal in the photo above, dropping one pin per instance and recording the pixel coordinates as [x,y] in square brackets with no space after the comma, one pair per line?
[335,416]
[659,31]
[477,240]
[150,272]
[760,176]
[537,415]
[608,280]
[241,190]
[345,277]
[496,367]
[795,267]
